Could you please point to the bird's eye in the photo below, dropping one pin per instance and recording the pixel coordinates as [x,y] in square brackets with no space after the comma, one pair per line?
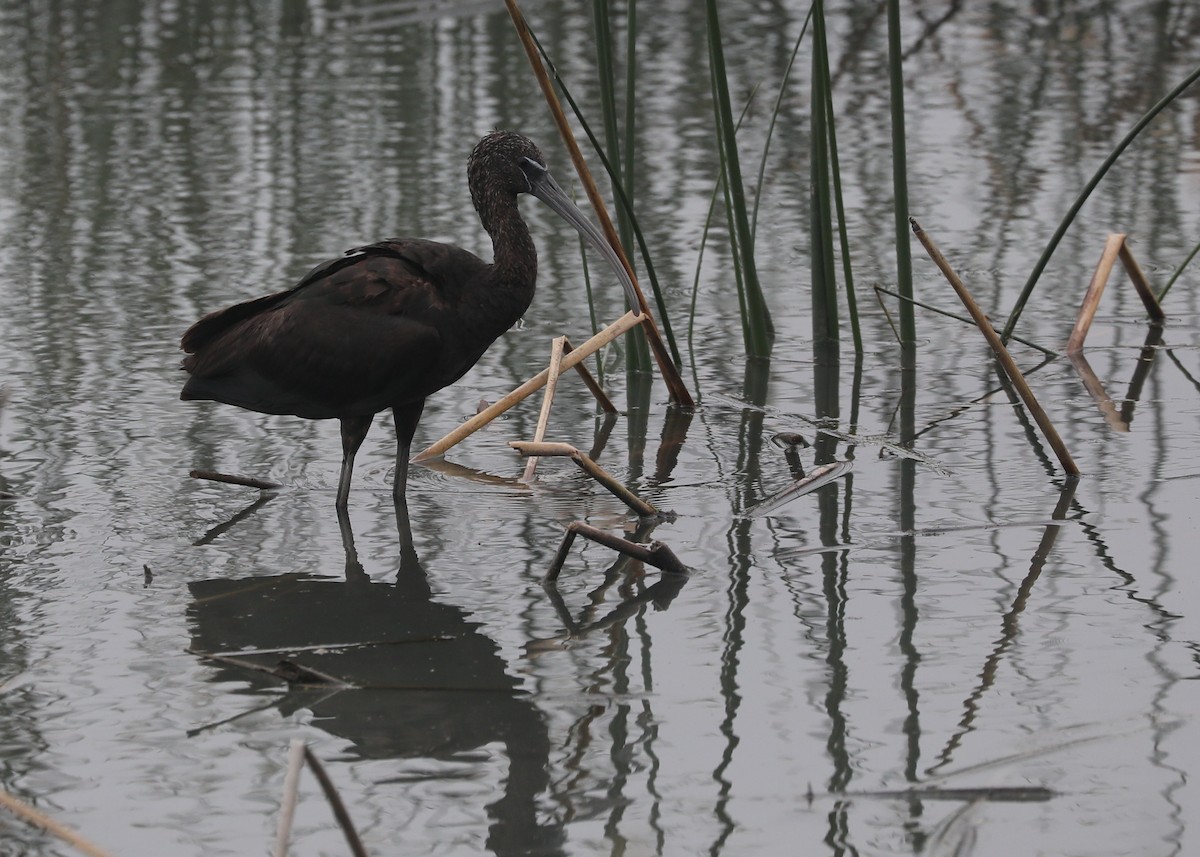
[531,169]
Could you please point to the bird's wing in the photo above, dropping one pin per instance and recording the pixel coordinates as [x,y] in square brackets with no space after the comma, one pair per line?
[357,334]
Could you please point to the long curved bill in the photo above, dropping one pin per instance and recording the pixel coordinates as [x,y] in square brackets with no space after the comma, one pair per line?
[544,187]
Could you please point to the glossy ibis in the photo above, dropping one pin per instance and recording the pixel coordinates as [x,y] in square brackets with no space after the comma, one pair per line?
[386,325]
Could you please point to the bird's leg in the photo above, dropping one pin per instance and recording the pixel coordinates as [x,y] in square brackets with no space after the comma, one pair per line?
[406,417]
[354,431]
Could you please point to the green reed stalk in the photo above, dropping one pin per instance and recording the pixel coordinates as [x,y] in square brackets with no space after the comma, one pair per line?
[904,284]
[1023,298]
[836,173]
[762,164]
[638,358]
[1162,294]
[824,278]
[757,326]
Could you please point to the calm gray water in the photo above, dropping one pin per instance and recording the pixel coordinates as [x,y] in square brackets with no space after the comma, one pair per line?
[952,615]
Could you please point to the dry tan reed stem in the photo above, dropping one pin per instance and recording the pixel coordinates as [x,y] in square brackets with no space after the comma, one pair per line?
[1134,270]
[589,467]
[1010,365]
[530,387]
[37,818]
[678,390]
[287,808]
[539,434]
[1095,290]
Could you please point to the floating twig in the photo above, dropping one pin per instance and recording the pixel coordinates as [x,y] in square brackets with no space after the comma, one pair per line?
[335,803]
[591,468]
[287,808]
[530,387]
[818,478]
[248,481]
[1006,361]
[289,671]
[37,818]
[655,553]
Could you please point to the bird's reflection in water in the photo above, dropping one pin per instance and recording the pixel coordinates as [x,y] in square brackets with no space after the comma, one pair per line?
[428,684]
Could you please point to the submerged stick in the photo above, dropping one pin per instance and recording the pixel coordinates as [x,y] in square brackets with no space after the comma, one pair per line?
[248,481]
[670,373]
[530,387]
[335,803]
[287,808]
[591,468]
[37,818]
[1006,361]
[539,434]
[655,553]
[1095,290]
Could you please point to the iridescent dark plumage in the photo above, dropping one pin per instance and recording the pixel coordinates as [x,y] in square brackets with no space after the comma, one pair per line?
[385,325]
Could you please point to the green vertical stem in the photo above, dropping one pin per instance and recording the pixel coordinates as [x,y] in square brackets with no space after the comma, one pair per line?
[637,350]
[760,333]
[824,278]
[904,284]
[835,169]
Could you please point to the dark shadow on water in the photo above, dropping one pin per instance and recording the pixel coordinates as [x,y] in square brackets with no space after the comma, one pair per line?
[428,684]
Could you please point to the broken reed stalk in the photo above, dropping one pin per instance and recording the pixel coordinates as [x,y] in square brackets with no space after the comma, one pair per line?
[37,818]
[530,387]
[678,390]
[539,434]
[1006,361]
[335,803]
[248,481]
[589,467]
[1095,290]
[1141,284]
[287,808]
[656,553]
[1115,247]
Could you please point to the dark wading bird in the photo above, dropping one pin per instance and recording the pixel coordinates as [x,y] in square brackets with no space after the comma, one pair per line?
[386,325]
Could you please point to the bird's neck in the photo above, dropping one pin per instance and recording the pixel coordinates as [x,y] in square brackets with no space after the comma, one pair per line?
[514,258]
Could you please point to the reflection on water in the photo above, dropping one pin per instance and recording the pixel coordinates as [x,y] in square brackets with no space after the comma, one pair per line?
[426,683]
[950,615]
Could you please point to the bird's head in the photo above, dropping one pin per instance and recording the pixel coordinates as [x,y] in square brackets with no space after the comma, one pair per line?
[505,164]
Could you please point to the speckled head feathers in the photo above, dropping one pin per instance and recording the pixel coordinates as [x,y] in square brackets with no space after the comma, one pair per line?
[495,165]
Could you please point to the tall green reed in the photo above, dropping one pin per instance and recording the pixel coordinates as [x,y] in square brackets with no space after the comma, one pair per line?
[620,169]
[908,324]
[757,328]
